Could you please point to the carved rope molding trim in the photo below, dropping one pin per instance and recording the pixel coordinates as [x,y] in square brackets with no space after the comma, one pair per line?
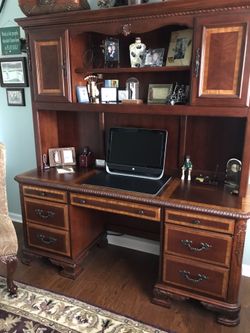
[172,14]
[143,200]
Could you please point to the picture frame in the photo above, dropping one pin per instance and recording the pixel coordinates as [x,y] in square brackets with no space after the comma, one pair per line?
[13,72]
[180,48]
[111,51]
[15,97]
[82,94]
[62,156]
[108,95]
[122,95]
[153,57]
[158,93]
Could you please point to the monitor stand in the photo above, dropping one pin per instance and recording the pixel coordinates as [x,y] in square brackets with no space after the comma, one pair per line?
[128,183]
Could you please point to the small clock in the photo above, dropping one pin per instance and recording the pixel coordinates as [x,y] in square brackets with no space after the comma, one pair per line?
[233,173]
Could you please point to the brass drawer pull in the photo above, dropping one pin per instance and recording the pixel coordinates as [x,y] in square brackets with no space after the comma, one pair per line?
[44,214]
[188,244]
[46,240]
[196,221]
[43,194]
[141,211]
[83,201]
[187,276]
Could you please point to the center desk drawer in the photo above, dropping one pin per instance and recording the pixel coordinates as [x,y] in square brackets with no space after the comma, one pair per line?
[189,274]
[198,244]
[201,221]
[45,193]
[46,213]
[48,239]
[117,207]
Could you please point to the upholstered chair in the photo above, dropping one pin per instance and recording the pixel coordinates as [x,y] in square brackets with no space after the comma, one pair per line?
[8,238]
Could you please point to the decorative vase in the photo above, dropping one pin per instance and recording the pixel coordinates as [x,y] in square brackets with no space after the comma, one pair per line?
[137,51]
[39,7]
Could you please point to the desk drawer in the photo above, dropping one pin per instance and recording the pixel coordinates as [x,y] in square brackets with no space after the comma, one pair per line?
[45,193]
[56,241]
[46,213]
[188,274]
[197,244]
[201,221]
[117,207]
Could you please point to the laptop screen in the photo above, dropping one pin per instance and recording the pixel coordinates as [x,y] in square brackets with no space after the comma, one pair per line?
[136,152]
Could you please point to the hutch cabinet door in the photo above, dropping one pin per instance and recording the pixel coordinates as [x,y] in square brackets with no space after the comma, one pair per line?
[50,68]
[221,61]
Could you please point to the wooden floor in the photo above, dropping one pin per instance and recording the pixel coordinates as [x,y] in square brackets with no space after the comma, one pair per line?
[121,280]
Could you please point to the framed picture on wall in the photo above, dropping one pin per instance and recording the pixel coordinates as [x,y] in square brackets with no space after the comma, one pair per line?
[15,97]
[13,72]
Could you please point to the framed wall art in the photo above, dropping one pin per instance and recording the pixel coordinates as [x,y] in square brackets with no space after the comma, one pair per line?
[13,72]
[15,97]
[180,48]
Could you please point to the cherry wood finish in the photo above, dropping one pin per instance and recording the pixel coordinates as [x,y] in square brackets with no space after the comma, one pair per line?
[201,227]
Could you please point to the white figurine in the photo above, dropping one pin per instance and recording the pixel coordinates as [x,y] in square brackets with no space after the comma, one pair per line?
[187,166]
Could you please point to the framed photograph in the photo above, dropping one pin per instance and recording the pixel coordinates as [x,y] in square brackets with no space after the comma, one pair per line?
[13,72]
[15,97]
[62,156]
[122,95]
[108,95]
[180,48]
[158,93]
[111,50]
[82,94]
[153,57]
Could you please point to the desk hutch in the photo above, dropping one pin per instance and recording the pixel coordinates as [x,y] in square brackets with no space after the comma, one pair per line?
[201,227]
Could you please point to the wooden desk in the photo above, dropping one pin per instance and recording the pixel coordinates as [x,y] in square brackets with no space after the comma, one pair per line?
[201,228]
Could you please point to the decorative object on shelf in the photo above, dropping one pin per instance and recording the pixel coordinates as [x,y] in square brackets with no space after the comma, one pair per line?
[108,95]
[187,166]
[106,3]
[45,165]
[15,97]
[132,86]
[233,174]
[180,48]
[82,94]
[92,88]
[122,95]
[137,51]
[111,52]
[111,83]
[179,94]
[62,156]
[153,57]
[39,7]
[86,158]
[13,72]
[158,93]
[136,2]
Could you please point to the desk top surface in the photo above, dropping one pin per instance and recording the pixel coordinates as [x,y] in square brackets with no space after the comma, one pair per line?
[176,194]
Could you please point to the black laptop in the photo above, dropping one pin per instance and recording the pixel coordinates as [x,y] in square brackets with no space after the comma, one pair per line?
[135,160]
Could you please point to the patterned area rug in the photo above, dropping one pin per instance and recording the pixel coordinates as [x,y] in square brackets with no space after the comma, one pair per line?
[39,311]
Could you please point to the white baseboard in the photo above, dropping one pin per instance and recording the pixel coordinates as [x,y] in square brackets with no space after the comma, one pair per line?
[16,217]
[134,243]
[245,270]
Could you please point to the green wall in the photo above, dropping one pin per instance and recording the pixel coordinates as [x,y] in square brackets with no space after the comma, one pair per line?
[16,130]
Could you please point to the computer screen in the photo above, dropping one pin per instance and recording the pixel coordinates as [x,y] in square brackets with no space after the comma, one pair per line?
[136,152]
